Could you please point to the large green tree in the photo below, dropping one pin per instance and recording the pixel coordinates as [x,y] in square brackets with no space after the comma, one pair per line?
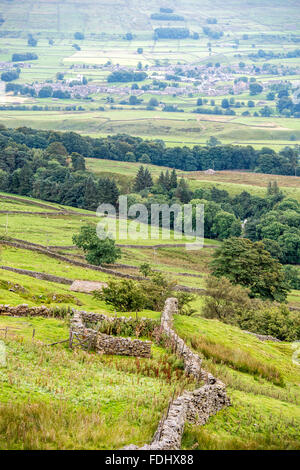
[249,264]
[96,251]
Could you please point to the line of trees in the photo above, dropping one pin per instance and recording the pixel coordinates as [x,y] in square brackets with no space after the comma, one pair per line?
[53,175]
[197,158]
[273,219]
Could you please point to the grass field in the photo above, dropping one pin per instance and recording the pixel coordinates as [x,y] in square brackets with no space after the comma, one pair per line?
[105,48]
[52,397]
[232,181]
[120,400]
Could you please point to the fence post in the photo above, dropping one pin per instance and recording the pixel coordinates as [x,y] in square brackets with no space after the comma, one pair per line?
[71,339]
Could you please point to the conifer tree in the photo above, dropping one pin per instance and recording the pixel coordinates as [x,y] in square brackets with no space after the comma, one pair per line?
[78,162]
[173,179]
[183,192]
[148,182]
[108,192]
[161,179]
[26,180]
[167,181]
[139,180]
[91,196]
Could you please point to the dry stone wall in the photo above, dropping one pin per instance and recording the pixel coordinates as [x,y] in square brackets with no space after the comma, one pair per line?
[38,275]
[51,254]
[107,344]
[24,310]
[196,406]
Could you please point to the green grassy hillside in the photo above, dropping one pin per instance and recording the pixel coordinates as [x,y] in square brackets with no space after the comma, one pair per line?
[120,400]
[121,16]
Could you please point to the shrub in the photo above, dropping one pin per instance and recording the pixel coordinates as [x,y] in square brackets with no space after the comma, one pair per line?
[126,295]
[224,300]
[231,304]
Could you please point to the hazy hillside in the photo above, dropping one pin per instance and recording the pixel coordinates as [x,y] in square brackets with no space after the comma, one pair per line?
[121,16]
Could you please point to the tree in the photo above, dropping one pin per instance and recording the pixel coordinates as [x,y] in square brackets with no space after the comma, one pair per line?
[224,300]
[144,158]
[45,92]
[183,191]
[213,141]
[292,275]
[225,103]
[250,265]
[78,162]
[148,179]
[26,180]
[108,192]
[32,41]
[255,88]
[140,50]
[79,36]
[226,225]
[97,251]
[133,100]
[142,180]
[90,198]
[266,111]
[173,179]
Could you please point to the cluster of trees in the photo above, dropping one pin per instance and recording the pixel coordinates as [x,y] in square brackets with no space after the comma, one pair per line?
[10,75]
[166,17]
[47,92]
[32,41]
[248,288]
[250,265]
[171,33]
[211,33]
[231,303]
[126,76]
[219,157]
[97,251]
[274,219]
[216,110]
[23,56]
[279,229]
[261,54]
[53,174]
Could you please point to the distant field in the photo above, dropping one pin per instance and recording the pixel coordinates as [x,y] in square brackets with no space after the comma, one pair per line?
[120,16]
[173,128]
[104,44]
[233,181]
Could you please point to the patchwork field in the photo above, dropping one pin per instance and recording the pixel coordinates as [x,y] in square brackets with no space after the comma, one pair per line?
[104,109]
[211,73]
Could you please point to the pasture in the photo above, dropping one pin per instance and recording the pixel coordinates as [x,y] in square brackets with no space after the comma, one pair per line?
[105,49]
